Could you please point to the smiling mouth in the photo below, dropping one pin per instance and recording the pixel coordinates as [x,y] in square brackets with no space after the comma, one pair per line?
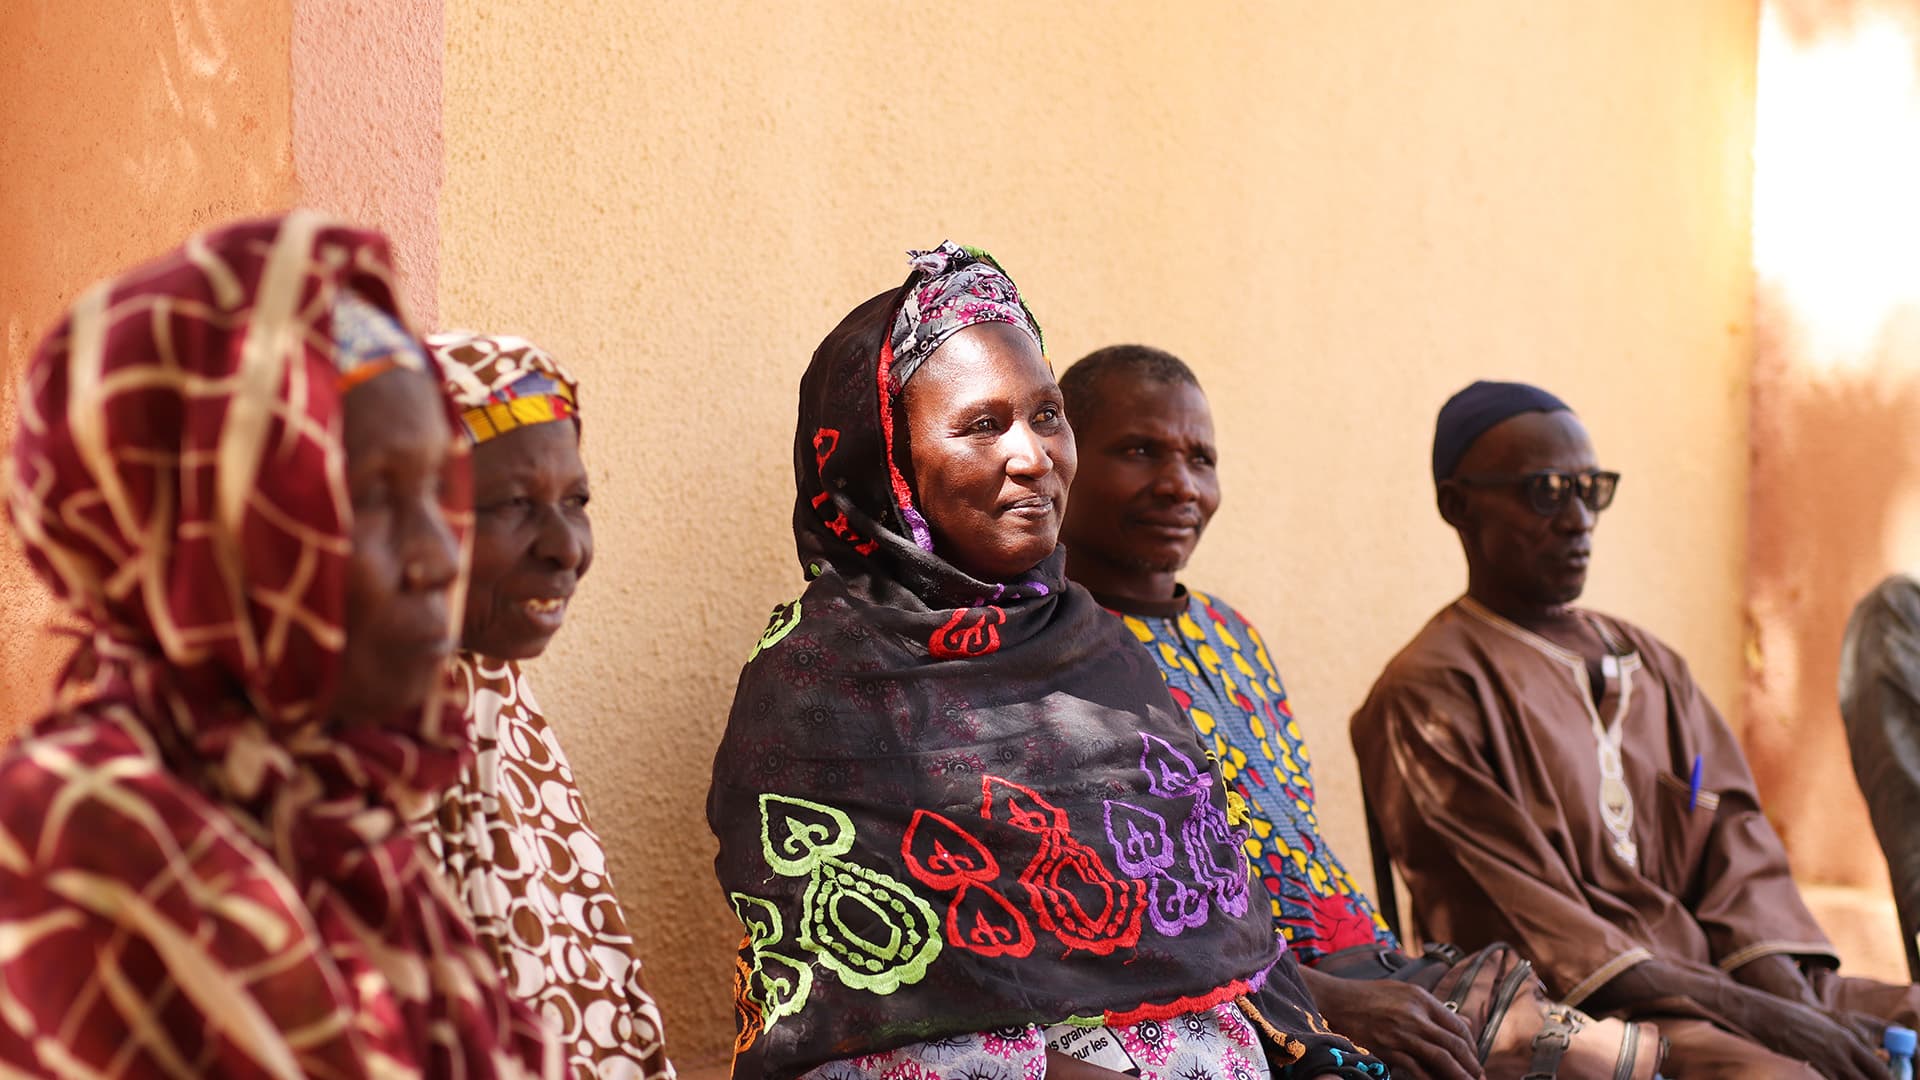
[551,606]
[1171,526]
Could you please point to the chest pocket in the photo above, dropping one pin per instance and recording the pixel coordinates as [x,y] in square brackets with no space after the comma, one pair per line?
[1680,834]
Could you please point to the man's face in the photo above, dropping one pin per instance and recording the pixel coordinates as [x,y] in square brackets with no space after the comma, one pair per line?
[1525,559]
[1147,484]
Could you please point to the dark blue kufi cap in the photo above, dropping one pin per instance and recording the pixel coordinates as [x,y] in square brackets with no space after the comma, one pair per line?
[1470,413]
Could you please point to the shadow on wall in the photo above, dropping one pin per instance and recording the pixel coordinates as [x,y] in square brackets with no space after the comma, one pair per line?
[124,126]
[1835,505]
[1835,495]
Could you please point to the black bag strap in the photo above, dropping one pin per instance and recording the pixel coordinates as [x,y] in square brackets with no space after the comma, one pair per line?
[1550,1044]
[1361,962]
[1386,898]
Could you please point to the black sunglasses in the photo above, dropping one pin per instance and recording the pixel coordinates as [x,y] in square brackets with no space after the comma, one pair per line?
[1548,490]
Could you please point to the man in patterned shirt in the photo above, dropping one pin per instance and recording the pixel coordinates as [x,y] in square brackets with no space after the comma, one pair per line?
[1144,494]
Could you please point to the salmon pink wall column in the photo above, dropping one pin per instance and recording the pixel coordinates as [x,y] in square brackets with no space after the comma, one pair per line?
[124,126]
[127,124]
[366,126]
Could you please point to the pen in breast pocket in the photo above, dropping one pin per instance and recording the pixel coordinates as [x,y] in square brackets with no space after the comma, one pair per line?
[1693,785]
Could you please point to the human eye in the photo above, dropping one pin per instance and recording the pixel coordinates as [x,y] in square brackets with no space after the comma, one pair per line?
[373,498]
[370,491]
[1548,489]
[578,500]
[984,425]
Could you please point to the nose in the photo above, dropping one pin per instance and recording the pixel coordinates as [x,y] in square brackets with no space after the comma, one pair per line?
[1175,481]
[1574,517]
[558,542]
[1027,456]
[431,558]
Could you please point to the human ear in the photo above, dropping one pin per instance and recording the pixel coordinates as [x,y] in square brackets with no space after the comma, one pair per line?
[1452,503]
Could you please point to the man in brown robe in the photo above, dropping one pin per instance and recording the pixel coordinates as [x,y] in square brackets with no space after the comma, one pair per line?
[1880,702]
[1553,777]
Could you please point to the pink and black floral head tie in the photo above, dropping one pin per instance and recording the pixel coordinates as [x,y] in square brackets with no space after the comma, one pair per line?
[951,288]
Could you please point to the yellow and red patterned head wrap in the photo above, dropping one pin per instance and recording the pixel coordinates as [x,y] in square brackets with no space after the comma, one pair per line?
[502,383]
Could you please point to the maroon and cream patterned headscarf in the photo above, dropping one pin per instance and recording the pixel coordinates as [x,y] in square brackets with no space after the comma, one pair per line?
[198,873]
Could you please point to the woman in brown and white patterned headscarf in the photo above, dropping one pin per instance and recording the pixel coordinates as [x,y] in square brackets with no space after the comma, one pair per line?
[513,835]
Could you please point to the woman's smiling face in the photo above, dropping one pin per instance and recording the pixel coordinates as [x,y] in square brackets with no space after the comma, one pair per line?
[532,541]
[992,455]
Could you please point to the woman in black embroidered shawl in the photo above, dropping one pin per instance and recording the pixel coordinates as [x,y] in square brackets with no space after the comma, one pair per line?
[964,826]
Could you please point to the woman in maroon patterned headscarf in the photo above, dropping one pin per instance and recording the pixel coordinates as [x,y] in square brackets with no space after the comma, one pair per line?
[230,464]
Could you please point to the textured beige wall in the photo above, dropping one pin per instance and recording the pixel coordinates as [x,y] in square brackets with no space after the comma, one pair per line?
[124,125]
[1337,213]
[1836,468]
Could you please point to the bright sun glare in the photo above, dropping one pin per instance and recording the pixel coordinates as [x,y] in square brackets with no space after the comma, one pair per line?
[1836,214]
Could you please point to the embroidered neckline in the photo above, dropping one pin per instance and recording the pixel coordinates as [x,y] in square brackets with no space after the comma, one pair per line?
[1615,800]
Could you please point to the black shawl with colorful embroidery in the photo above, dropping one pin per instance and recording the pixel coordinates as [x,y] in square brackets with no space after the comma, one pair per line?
[950,806]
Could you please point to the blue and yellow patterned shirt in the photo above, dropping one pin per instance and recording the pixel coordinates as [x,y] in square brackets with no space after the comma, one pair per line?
[1217,668]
